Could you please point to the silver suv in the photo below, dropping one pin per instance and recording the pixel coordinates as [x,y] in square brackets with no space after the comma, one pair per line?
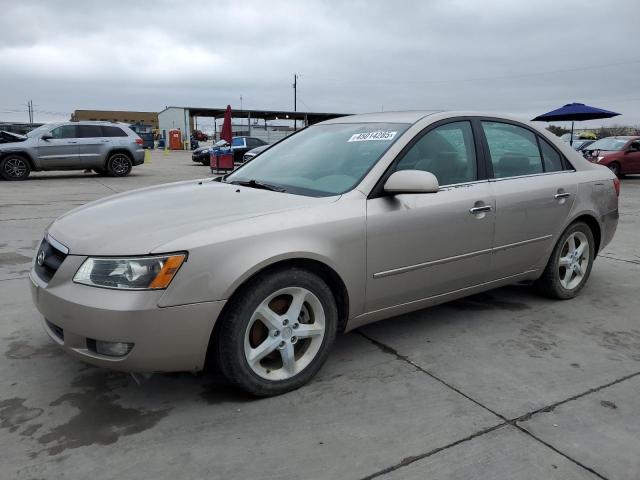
[107,148]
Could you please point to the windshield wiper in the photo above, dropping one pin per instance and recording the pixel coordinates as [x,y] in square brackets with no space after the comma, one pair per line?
[257,184]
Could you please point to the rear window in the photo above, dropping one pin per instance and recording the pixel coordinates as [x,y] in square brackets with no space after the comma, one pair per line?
[108,131]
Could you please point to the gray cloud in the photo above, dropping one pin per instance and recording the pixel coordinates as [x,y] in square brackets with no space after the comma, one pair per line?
[518,57]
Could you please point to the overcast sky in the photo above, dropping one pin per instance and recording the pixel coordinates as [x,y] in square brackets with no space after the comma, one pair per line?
[521,57]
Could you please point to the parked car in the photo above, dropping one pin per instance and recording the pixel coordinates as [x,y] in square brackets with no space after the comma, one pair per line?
[239,146]
[620,154]
[253,152]
[10,137]
[148,140]
[349,221]
[107,148]
[202,154]
[580,145]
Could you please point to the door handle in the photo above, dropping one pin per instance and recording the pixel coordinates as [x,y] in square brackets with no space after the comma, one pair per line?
[71,142]
[558,196]
[105,141]
[484,208]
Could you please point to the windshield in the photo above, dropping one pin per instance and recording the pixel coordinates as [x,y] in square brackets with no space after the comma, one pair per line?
[611,144]
[220,143]
[38,131]
[322,160]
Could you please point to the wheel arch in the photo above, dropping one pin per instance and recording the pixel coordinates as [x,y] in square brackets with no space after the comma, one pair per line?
[594,225]
[322,269]
[115,150]
[21,153]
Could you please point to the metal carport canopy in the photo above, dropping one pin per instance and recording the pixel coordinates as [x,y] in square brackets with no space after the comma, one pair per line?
[310,117]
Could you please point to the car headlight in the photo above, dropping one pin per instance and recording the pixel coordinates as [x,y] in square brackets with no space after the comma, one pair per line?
[600,159]
[136,273]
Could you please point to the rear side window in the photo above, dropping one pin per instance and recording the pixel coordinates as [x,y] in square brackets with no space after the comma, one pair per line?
[89,131]
[447,151]
[551,159]
[514,150]
[65,131]
[108,131]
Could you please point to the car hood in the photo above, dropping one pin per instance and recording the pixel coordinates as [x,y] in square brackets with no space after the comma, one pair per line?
[142,221]
[9,137]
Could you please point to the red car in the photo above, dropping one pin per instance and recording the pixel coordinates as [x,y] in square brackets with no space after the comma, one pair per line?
[620,154]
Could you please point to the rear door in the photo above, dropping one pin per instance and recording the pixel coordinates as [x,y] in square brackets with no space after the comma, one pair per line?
[61,151]
[92,146]
[534,188]
[423,245]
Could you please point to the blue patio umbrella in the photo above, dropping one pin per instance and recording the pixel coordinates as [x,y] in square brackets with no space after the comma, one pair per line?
[574,112]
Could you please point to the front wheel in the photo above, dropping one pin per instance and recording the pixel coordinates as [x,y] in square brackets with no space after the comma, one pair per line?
[277,332]
[570,264]
[119,165]
[14,167]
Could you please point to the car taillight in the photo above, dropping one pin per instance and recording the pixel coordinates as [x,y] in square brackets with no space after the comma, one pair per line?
[616,186]
[139,141]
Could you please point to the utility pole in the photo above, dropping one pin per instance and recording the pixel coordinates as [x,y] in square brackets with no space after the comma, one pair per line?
[30,109]
[295,99]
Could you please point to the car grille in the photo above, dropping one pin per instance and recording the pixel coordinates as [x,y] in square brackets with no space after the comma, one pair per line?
[53,258]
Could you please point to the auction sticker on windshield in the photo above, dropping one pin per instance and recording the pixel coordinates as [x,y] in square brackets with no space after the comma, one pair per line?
[368,136]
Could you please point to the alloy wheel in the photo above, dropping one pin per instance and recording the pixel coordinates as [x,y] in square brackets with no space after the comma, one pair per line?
[574,260]
[284,334]
[15,167]
[119,164]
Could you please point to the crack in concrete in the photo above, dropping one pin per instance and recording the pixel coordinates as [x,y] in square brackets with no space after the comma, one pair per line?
[513,422]
[637,262]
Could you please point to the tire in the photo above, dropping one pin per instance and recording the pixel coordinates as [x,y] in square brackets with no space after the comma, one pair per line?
[615,169]
[14,168]
[259,323]
[205,163]
[567,273]
[119,165]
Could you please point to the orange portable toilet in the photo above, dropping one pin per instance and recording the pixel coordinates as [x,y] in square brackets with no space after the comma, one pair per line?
[175,139]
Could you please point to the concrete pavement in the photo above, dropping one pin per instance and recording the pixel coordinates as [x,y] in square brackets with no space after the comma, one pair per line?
[500,385]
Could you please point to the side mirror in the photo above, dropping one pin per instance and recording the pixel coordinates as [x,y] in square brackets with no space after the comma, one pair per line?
[46,137]
[411,181]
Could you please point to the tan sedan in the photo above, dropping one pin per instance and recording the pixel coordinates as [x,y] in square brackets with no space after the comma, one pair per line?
[344,223]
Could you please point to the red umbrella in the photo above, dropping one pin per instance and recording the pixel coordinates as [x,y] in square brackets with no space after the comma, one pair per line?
[226,133]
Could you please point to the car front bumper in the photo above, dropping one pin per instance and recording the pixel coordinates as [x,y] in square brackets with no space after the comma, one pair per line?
[163,339]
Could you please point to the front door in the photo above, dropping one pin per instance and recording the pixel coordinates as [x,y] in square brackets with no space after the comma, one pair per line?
[631,160]
[534,191]
[61,151]
[422,245]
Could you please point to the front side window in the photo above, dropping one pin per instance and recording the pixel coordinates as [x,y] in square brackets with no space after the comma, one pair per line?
[65,131]
[237,142]
[447,151]
[513,150]
[322,160]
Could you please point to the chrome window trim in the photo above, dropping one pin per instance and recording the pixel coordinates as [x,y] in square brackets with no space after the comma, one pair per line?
[493,179]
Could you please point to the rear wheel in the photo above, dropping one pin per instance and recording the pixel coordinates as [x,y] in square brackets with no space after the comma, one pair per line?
[14,167]
[570,264]
[119,165]
[277,333]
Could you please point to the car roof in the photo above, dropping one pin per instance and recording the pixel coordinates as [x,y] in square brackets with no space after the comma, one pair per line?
[408,116]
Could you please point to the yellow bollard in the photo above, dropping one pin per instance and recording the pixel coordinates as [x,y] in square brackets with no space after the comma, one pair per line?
[166,151]
[147,156]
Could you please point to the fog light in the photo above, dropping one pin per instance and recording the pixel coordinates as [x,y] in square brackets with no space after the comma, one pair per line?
[110,349]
